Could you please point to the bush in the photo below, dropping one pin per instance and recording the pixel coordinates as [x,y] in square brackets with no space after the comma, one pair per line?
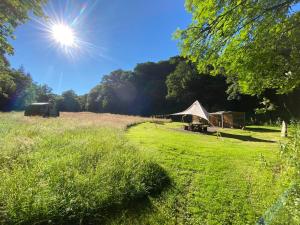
[289,202]
[291,152]
[77,176]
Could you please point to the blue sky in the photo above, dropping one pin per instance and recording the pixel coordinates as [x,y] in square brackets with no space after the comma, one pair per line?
[119,33]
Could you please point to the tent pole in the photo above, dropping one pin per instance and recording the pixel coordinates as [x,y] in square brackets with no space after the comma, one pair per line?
[222,121]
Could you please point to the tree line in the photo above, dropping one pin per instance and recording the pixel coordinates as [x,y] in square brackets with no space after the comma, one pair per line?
[149,89]
[241,56]
[254,43]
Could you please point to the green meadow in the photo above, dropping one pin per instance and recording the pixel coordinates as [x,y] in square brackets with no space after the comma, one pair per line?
[88,91]
[97,169]
[70,171]
[233,178]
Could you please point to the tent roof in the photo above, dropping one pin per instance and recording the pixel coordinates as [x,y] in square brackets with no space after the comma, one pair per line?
[41,103]
[225,112]
[196,109]
[220,112]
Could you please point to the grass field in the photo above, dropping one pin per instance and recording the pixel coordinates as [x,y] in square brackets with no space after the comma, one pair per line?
[86,168]
[76,169]
[234,179]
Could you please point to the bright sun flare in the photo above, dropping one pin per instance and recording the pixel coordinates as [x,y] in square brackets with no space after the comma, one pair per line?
[63,34]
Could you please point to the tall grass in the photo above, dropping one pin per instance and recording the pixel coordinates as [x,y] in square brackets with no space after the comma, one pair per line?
[61,172]
[288,205]
[291,154]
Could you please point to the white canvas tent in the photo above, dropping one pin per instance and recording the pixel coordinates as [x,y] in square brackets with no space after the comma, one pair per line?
[196,109]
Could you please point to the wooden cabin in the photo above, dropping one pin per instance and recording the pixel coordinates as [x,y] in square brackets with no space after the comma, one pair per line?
[44,109]
[227,119]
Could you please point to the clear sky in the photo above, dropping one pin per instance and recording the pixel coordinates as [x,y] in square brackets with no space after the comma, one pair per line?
[114,34]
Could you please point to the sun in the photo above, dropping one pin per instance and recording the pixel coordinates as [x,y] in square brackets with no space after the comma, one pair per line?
[63,34]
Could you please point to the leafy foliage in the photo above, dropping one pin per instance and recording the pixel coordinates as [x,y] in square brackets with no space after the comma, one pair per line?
[267,106]
[83,102]
[152,88]
[44,93]
[258,41]
[159,88]
[289,212]
[68,102]
[141,91]
[185,83]
[17,90]
[14,85]
[150,80]
[12,14]
[168,86]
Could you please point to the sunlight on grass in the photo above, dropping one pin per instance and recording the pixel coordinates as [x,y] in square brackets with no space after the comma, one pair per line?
[81,167]
[69,171]
[228,180]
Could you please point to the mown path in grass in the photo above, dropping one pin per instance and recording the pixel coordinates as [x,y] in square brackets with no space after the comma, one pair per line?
[228,180]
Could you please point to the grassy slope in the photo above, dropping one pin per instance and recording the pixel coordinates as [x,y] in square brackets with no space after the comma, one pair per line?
[228,180]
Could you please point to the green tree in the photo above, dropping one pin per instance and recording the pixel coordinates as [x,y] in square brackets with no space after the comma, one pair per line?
[185,85]
[257,41]
[12,14]
[162,88]
[7,87]
[82,99]
[68,102]
[44,93]
[118,93]
[16,87]
[178,82]
[142,91]
[93,99]
[13,88]
[150,82]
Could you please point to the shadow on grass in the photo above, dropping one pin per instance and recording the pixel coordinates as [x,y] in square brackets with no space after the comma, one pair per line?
[128,126]
[133,206]
[245,138]
[260,129]
[112,214]
[226,135]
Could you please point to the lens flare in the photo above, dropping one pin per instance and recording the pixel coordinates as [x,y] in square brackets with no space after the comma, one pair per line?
[67,30]
[63,34]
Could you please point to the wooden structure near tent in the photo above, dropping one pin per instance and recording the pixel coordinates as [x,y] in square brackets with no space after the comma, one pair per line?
[227,119]
[201,119]
[44,109]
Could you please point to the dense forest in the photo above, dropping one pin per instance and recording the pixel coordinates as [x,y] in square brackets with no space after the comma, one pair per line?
[150,89]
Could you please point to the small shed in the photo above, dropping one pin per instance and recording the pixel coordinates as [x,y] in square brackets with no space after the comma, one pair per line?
[227,119]
[44,109]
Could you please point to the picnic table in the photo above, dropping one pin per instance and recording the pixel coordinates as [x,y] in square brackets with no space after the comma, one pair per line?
[197,127]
